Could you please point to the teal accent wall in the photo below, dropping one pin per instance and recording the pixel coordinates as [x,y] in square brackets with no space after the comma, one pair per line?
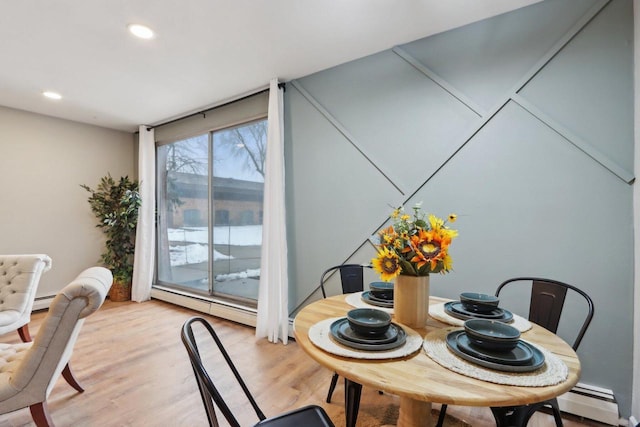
[521,124]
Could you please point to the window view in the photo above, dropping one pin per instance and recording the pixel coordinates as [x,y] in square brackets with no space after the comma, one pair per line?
[210,191]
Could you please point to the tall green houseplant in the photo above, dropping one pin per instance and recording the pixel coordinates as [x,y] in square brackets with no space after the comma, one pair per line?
[116,204]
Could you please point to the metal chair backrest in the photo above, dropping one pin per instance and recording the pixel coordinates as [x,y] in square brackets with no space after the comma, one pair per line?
[351,276]
[547,302]
[208,391]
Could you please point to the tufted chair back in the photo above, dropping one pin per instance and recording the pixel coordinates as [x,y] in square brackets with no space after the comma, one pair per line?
[28,371]
[19,278]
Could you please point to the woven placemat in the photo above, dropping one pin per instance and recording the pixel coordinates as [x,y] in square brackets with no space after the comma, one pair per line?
[320,336]
[553,372]
[355,300]
[437,312]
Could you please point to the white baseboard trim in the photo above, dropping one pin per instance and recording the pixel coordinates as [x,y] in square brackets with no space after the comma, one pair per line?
[42,303]
[591,402]
[223,309]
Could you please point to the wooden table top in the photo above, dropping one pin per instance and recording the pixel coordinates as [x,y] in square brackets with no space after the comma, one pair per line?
[420,378]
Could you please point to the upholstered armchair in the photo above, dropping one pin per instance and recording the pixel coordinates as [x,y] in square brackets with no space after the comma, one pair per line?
[28,371]
[19,278]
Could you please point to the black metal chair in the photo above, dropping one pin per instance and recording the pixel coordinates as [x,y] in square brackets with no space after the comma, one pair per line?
[545,309]
[312,415]
[352,279]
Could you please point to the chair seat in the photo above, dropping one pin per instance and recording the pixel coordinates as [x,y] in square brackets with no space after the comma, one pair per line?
[7,318]
[307,416]
[11,356]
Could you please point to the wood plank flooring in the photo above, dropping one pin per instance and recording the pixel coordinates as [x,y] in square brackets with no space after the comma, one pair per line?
[135,371]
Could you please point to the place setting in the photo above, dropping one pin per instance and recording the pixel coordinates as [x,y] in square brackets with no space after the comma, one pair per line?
[379,296]
[475,305]
[365,333]
[494,351]
[494,345]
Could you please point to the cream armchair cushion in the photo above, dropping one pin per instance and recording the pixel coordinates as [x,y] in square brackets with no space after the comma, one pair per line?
[19,278]
[28,371]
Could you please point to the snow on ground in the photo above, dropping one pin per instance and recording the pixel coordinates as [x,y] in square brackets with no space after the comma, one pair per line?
[193,245]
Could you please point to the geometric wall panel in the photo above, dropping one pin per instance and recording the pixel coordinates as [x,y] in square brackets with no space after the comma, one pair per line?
[341,195]
[578,88]
[521,124]
[387,105]
[485,59]
[522,211]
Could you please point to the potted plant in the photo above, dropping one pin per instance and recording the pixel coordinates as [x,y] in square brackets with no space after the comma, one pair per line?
[116,204]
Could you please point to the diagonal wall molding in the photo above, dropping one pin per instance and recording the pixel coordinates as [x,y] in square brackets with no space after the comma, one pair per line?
[343,130]
[512,95]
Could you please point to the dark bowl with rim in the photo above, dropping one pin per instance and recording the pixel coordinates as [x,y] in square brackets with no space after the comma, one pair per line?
[381,290]
[369,321]
[491,335]
[479,303]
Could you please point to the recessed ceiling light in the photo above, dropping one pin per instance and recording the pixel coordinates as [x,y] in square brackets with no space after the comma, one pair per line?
[52,95]
[141,31]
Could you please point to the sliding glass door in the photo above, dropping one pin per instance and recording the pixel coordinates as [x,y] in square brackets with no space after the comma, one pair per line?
[210,198]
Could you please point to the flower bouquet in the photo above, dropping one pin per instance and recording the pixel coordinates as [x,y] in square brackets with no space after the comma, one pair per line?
[415,245]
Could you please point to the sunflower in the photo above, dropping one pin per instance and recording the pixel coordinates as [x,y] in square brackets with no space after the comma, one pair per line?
[387,264]
[414,245]
[428,248]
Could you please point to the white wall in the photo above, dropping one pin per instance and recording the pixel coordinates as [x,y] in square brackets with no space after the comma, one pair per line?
[635,396]
[43,209]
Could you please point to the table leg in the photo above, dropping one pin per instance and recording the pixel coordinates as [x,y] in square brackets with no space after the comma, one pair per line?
[352,392]
[414,413]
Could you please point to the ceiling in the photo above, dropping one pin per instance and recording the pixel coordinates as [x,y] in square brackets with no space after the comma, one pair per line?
[205,51]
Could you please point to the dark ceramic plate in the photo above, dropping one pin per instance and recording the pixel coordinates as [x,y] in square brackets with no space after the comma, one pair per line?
[345,331]
[366,297]
[398,342]
[536,361]
[455,309]
[520,355]
[378,299]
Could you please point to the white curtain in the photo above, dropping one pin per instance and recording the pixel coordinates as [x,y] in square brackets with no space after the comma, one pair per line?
[273,298]
[145,236]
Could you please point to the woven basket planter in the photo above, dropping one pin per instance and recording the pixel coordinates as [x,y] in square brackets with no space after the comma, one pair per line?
[120,292]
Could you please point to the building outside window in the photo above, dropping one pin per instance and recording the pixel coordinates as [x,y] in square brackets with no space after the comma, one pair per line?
[210,203]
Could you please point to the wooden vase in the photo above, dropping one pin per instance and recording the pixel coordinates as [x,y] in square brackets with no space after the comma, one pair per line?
[411,300]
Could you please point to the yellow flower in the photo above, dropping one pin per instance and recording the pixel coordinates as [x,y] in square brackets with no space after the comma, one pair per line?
[435,222]
[387,264]
[447,263]
[416,244]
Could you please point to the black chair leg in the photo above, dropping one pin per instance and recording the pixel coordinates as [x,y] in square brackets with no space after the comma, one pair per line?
[352,392]
[556,412]
[332,386]
[502,416]
[519,416]
[443,412]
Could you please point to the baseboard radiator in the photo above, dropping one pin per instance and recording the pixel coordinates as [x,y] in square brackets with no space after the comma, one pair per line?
[43,303]
[591,402]
[235,313]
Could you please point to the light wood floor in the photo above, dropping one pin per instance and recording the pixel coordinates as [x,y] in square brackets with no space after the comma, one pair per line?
[135,371]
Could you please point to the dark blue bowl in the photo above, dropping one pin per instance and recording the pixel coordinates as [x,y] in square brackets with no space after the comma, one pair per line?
[479,303]
[381,290]
[369,321]
[491,335]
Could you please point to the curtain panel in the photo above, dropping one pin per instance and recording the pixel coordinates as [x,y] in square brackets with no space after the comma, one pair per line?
[143,264]
[273,295]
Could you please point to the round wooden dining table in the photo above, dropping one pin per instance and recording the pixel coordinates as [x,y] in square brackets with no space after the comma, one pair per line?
[418,380]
